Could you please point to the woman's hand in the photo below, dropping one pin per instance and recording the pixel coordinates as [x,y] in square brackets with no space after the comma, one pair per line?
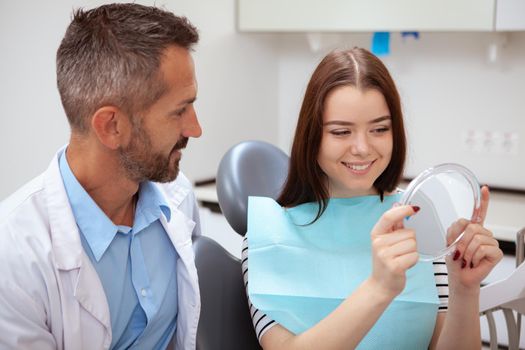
[393,251]
[476,253]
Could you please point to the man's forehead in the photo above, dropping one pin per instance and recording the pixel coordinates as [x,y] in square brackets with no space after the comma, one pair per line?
[178,72]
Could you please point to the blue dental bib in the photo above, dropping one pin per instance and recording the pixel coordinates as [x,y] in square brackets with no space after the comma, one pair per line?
[299,273]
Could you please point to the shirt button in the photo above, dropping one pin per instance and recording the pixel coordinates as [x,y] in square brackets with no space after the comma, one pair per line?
[143,292]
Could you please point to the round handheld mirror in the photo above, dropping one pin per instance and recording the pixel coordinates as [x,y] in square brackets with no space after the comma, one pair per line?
[445,194]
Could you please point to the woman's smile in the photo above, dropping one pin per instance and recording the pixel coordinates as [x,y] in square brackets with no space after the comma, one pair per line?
[358,168]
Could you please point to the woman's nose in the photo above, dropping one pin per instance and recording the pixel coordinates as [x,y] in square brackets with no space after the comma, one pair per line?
[360,146]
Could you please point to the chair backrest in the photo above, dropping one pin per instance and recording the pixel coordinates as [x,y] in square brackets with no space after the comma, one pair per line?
[508,296]
[250,168]
[225,322]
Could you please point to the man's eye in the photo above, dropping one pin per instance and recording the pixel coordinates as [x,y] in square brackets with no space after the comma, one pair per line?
[180,112]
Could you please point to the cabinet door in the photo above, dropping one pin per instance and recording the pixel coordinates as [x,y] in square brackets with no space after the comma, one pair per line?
[366,15]
[510,15]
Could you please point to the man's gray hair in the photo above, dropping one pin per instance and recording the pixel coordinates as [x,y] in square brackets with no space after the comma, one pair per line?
[111,55]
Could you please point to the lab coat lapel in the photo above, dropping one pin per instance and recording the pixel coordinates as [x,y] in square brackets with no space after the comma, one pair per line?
[90,293]
[179,229]
[70,257]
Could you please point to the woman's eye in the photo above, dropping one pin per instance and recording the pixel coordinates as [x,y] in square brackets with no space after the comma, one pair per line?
[340,132]
[380,130]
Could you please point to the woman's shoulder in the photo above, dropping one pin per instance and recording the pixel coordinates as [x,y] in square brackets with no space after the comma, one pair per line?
[260,201]
[261,208]
[264,215]
[268,206]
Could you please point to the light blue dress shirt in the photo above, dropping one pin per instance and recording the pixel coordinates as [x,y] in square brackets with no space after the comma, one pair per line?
[136,265]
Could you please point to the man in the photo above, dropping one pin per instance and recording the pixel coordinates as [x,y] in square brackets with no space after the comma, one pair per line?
[96,252]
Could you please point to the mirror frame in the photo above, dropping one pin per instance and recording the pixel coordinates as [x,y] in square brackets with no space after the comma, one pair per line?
[417,182]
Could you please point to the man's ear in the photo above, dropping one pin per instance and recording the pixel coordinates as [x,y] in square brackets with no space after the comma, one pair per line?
[111,126]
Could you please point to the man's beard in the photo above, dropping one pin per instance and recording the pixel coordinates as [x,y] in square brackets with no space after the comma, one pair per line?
[140,163]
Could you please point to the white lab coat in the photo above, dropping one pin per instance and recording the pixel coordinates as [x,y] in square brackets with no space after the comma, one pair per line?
[50,294]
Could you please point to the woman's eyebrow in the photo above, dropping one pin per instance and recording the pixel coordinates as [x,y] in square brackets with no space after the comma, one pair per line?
[343,122]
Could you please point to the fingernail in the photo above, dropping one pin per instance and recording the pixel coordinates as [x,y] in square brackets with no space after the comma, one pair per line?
[456,255]
[415,208]
[463,263]
[471,265]
[485,185]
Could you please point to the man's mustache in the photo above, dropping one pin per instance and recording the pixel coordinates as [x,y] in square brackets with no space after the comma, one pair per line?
[181,143]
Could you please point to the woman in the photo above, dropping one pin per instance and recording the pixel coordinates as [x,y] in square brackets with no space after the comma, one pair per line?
[347,158]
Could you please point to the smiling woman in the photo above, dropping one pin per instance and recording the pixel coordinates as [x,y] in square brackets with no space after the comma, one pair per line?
[330,264]
[356,145]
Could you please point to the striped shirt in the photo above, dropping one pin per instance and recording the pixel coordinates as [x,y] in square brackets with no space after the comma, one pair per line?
[262,323]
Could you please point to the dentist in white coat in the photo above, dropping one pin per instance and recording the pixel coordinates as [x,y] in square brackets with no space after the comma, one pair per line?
[96,252]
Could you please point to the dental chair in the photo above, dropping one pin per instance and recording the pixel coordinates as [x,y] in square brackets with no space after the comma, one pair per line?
[255,168]
[251,168]
[509,301]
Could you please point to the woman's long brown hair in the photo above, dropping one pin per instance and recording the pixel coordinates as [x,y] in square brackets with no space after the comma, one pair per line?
[306,182]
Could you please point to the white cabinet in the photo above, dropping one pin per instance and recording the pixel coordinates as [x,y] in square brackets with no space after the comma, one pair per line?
[366,15]
[510,15]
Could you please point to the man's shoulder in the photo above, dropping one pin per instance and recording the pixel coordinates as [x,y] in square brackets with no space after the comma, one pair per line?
[25,244]
[16,203]
[24,218]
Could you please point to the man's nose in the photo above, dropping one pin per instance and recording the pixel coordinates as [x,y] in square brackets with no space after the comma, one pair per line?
[192,127]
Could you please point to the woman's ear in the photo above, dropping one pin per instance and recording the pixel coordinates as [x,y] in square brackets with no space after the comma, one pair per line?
[111,126]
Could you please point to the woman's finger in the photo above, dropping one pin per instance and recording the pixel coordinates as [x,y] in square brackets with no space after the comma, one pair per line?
[470,231]
[393,238]
[390,218]
[486,253]
[456,229]
[476,242]
[401,248]
[398,225]
[482,212]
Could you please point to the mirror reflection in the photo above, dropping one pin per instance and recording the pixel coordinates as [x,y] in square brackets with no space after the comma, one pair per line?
[445,194]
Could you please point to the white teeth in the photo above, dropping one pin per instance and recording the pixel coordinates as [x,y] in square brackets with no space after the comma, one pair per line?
[358,167]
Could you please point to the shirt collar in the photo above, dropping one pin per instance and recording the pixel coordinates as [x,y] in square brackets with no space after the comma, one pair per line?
[150,206]
[96,227]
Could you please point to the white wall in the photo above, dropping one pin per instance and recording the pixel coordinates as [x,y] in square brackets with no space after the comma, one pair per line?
[251,87]
[32,124]
[448,85]
[237,77]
